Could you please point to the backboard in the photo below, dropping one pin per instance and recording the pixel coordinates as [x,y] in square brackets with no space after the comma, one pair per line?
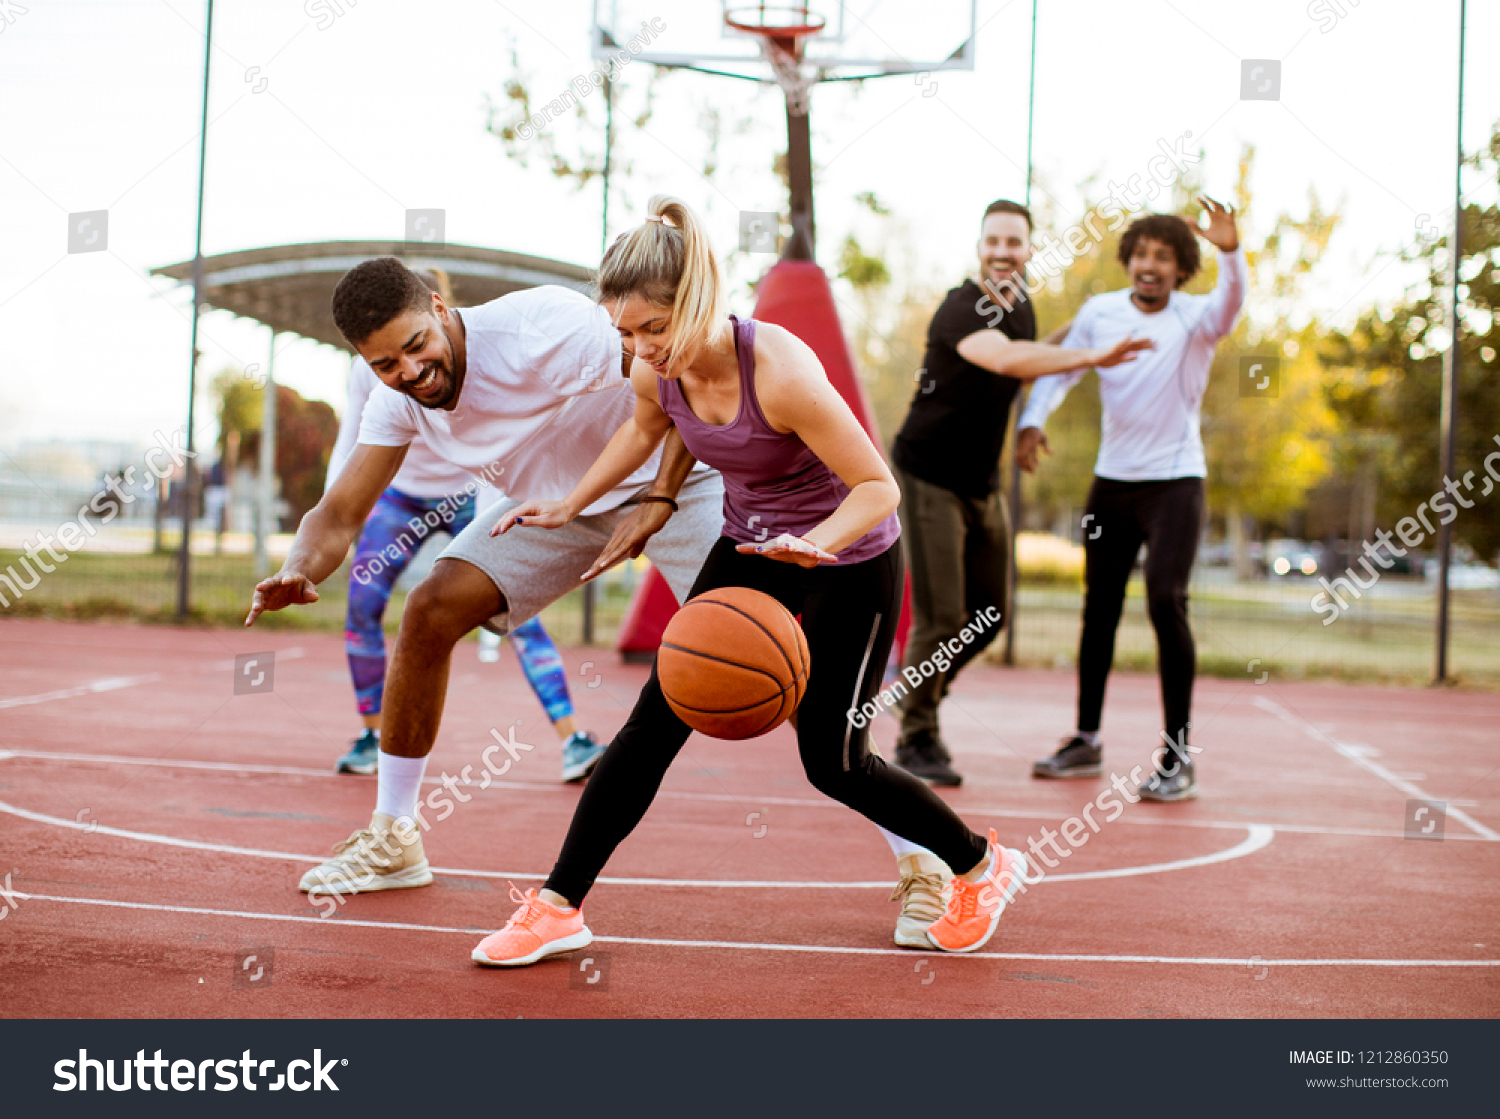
[860,38]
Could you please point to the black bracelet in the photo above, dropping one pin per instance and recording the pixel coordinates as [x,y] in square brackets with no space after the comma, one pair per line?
[663,500]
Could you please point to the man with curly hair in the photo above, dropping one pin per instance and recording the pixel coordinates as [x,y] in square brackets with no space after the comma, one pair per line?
[1148,484]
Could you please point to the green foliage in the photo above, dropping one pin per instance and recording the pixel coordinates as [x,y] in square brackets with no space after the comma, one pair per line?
[861,269]
[1385,373]
[305,433]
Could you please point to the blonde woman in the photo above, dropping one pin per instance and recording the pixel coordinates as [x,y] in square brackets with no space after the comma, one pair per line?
[809,518]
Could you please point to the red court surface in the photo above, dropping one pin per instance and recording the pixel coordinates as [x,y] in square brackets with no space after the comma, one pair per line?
[156,824]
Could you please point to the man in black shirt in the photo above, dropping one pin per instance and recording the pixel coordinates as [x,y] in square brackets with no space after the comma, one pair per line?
[981,345]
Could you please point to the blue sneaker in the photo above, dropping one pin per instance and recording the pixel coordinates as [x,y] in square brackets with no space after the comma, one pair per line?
[363,755]
[580,754]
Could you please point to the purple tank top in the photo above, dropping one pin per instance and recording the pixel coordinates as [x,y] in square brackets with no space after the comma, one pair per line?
[772,482]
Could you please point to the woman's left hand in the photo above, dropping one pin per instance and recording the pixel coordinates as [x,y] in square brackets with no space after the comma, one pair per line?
[790,549]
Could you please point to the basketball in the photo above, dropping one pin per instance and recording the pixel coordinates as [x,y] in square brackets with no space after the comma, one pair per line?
[733,663]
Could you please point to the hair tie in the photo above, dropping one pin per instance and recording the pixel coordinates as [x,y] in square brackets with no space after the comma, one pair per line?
[656,218]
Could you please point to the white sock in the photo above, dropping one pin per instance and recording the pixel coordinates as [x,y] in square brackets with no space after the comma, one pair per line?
[1089,736]
[400,783]
[901,847]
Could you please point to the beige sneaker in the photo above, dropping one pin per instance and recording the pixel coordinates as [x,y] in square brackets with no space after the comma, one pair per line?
[384,856]
[920,892]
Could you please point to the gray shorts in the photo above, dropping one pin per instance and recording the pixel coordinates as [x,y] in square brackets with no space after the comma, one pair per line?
[534,567]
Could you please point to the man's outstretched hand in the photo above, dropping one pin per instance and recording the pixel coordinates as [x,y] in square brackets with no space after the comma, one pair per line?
[1029,441]
[1123,350]
[285,588]
[630,535]
[1221,232]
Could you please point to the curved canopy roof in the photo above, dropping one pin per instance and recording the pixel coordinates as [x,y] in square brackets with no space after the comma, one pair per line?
[290,287]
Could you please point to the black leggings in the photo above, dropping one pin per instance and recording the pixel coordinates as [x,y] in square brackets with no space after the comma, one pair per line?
[1121,516]
[849,616]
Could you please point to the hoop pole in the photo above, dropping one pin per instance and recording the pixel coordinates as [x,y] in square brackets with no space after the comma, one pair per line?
[803,241]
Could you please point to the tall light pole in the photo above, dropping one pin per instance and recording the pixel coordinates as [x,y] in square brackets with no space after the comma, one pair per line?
[1448,422]
[1012,575]
[184,561]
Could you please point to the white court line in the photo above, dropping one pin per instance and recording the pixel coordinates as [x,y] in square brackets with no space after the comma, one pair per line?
[746,946]
[108,684]
[115,683]
[678,794]
[1359,758]
[1260,835]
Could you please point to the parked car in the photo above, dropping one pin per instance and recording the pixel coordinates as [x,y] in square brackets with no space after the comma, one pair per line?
[1293,557]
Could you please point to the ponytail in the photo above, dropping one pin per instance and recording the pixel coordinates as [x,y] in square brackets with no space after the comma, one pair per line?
[668,261]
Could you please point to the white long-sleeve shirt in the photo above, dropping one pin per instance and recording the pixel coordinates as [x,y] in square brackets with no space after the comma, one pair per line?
[1151,405]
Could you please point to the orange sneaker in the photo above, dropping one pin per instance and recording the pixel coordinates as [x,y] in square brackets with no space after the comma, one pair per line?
[974,908]
[535,931]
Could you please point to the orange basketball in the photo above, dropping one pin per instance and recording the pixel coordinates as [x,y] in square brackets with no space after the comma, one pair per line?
[733,663]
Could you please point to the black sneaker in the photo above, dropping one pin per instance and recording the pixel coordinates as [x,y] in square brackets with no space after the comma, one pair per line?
[924,755]
[1074,758]
[1180,784]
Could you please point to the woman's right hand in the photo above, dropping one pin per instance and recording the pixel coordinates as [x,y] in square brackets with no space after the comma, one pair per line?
[535,514]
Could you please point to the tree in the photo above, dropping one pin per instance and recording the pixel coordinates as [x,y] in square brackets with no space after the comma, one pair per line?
[1385,373]
[305,433]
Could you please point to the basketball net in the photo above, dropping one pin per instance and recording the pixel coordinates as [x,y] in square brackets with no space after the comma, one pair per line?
[794,78]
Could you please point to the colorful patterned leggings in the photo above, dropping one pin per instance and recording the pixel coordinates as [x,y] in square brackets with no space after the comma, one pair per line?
[394,532]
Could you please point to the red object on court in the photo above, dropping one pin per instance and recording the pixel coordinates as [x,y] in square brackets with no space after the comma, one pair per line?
[794,294]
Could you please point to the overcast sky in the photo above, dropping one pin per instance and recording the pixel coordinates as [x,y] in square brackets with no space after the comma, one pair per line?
[330,126]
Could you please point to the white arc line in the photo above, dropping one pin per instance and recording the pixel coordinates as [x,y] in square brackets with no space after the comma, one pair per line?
[1260,835]
[552,787]
[742,946]
[1359,756]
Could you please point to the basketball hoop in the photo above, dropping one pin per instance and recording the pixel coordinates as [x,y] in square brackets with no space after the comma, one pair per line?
[783,32]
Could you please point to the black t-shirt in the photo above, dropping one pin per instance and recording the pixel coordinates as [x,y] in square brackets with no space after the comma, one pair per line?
[955,430]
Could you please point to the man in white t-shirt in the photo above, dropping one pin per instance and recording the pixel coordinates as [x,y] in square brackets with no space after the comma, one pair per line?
[1148,485]
[427,497]
[523,393]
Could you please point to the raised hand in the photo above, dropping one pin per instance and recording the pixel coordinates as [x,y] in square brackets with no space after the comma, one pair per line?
[1122,351]
[790,549]
[285,588]
[1221,232]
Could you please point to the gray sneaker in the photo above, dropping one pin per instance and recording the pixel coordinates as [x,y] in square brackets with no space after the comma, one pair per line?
[1074,758]
[1180,784]
[581,753]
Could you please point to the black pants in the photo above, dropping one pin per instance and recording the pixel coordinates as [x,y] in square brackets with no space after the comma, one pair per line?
[958,549]
[1167,517]
[849,616]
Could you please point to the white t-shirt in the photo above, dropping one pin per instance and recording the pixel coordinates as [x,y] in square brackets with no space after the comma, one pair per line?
[1151,405]
[422,473]
[542,395]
